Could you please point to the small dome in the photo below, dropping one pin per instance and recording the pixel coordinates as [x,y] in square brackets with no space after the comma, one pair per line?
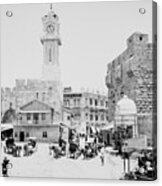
[126,106]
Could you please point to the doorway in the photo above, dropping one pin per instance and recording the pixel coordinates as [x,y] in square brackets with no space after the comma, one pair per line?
[36,118]
[22,136]
[108,139]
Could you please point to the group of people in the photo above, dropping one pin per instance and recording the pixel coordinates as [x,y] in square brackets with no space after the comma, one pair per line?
[146,165]
[78,146]
[10,147]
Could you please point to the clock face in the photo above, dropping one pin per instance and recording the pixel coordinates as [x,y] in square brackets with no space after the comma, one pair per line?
[50,28]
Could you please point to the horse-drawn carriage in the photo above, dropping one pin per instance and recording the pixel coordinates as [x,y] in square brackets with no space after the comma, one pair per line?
[31,146]
[57,149]
[146,168]
[11,148]
[9,145]
[74,151]
[90,150]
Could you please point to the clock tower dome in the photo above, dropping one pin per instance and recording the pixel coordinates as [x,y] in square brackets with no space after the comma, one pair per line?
[51,42]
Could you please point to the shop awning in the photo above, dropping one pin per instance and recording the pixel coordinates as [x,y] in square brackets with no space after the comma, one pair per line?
[5,127]
[108,127]
[93,129]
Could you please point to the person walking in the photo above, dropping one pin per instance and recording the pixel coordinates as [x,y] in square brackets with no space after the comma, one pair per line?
[102,155]
[82,145]
[5,167]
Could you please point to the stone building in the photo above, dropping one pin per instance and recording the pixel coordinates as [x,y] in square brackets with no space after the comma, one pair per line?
[131,73]
[89,110]
[35,120]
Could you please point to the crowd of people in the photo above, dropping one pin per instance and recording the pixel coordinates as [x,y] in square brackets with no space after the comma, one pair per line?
[78,145]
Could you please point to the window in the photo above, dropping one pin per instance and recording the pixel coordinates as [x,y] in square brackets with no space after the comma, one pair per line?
[36,118]
[86,115]
[16,135]
[91,117]
[102,103]
[96,102]
[43,116]
[28,116]
[27,134]
[96,117]
[106,103]
[78,102]
[68,118]
[102,117]
[74,102]
[68,103]
[86,101]
[77,116]
[44,134]
[91,101]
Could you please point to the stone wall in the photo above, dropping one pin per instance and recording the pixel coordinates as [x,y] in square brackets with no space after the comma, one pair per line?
[131,73]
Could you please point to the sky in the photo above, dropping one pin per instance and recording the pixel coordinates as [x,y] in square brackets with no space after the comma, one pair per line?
[92,35]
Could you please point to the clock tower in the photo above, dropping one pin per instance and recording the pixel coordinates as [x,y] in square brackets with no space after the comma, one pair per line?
[51,42]
[51,75]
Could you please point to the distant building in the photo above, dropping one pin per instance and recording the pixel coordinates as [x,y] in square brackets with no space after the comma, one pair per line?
[131,73]
[9,116]
[8,96]
[89,110]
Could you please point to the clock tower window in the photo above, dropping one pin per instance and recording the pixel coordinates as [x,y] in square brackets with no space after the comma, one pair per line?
[50,55]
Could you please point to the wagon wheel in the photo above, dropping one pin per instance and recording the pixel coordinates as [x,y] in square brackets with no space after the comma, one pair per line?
[9,166]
